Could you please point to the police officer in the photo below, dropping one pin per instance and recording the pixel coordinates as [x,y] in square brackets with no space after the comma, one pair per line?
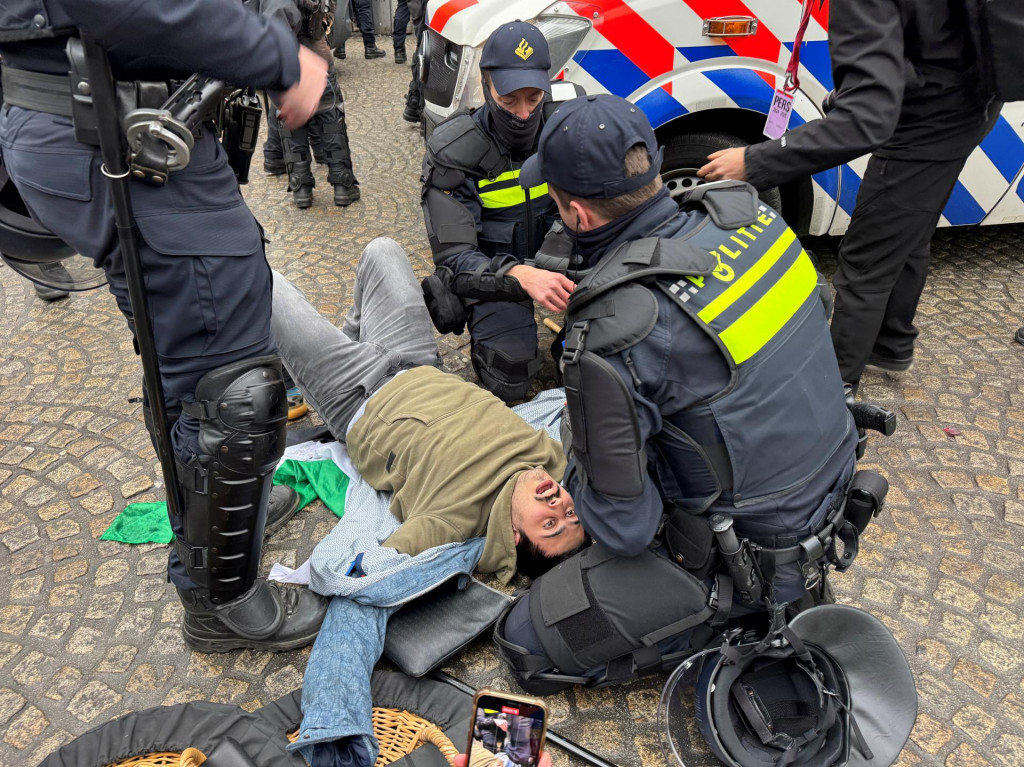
[326,132]
[701,388]
[413,111]
[733,391]
[482,225]
[906,92]
[207,281]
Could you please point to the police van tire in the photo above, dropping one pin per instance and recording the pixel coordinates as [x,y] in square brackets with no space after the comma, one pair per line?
[685,153]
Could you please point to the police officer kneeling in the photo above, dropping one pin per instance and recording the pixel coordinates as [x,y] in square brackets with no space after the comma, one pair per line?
[711,449]
[482,225]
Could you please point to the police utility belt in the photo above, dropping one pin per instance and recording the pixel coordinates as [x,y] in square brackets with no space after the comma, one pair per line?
[161,120]
[705,545]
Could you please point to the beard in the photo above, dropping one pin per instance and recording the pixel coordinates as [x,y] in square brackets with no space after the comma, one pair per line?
[533,563]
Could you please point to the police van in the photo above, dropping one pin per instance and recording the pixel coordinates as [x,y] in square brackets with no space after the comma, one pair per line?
[705,73]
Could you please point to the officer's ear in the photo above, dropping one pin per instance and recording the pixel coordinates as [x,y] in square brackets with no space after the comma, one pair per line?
[586,216]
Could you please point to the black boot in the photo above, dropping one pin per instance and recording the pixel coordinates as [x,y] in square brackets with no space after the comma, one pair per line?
[346,188]
[283,505]
[413,112]
[339,51]
[274,166]
[266,617]
[373,52]
[400,57]
[301,183]
[1019,336]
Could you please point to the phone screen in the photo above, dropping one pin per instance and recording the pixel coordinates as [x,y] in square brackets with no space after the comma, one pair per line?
[507,732]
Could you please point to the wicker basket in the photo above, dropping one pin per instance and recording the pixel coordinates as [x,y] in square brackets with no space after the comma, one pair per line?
[398,732]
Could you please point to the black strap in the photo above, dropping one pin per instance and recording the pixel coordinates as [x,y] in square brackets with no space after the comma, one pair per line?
[37,91]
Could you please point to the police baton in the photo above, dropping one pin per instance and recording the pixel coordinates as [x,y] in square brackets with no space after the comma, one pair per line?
[99,87]
[739,559]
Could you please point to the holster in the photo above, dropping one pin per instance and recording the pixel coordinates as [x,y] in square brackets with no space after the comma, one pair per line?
[865,498]
[691,542]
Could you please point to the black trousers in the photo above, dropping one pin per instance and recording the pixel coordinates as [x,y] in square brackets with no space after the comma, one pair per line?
[362,12]
[883,259]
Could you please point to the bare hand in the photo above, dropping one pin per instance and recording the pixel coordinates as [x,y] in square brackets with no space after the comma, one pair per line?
[298,103]
[545,760]
[726,163]
[549,289]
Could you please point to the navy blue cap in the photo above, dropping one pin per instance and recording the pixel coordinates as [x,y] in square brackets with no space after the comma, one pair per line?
[582,149]
[516,55]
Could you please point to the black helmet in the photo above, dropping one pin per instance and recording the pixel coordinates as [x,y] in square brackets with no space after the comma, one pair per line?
[35,252]
[832,689]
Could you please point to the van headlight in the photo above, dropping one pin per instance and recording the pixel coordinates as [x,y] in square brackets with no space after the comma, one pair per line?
[564,35]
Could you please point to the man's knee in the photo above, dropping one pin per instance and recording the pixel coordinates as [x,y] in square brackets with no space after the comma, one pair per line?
[384,257]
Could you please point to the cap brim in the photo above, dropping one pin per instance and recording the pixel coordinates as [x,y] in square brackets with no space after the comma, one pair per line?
[881,684]
[508,80]
[531,174]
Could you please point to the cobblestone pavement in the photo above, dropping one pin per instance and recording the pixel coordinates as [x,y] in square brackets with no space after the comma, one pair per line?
[89,630]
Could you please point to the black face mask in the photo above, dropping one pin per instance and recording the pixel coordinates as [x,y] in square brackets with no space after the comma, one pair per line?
[517,134]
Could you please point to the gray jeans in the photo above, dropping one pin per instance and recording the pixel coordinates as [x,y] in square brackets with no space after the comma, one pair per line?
[387,330]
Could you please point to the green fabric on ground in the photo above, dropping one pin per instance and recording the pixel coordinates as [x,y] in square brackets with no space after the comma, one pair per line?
[141,523]
[315,479]
[148,522]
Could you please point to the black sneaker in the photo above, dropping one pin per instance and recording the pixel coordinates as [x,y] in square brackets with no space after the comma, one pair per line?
[283,505]
[1019,337]
[373,52]
[891,364]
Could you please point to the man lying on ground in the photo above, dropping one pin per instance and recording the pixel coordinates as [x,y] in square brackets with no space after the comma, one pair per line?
[459,463]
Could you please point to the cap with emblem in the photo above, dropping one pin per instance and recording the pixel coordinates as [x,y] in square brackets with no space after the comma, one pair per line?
[516,56]
[582,149]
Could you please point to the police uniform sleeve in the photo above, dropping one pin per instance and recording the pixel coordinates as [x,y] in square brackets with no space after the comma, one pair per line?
[452,218]
[213,37]
[867,52]
[625,526]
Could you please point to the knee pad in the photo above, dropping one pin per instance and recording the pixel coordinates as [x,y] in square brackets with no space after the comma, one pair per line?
[242,409]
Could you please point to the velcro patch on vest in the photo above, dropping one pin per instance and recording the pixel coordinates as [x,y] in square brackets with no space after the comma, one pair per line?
[562,594]
[731,204]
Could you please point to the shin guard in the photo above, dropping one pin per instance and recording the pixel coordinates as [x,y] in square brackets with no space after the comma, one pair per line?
[243,413]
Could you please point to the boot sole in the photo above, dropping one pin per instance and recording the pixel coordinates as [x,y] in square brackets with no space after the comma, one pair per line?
[207,645]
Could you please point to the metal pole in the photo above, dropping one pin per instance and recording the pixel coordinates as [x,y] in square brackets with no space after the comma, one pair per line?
[552,737]
[101,83]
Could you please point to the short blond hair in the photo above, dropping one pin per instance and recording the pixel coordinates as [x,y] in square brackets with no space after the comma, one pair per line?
[637,162]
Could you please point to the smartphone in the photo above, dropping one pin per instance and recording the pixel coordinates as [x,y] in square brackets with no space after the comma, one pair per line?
[507,730]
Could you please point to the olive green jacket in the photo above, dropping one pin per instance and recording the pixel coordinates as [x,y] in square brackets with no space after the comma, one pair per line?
[450,452]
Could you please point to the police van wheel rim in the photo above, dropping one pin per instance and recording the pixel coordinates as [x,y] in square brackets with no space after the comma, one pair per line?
[685,153]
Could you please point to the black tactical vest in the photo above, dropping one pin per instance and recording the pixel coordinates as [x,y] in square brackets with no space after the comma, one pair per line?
[745,281]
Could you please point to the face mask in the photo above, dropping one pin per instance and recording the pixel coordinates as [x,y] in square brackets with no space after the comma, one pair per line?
[517,134]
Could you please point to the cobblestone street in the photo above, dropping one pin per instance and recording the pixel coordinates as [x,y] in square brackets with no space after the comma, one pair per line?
[90,630]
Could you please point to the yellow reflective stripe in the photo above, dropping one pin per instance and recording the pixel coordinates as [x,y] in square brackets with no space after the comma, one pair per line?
[507,198]
[759,324]
[506,176]
[731,294]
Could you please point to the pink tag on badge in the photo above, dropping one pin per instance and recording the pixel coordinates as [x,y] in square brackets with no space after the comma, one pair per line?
[778,115]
